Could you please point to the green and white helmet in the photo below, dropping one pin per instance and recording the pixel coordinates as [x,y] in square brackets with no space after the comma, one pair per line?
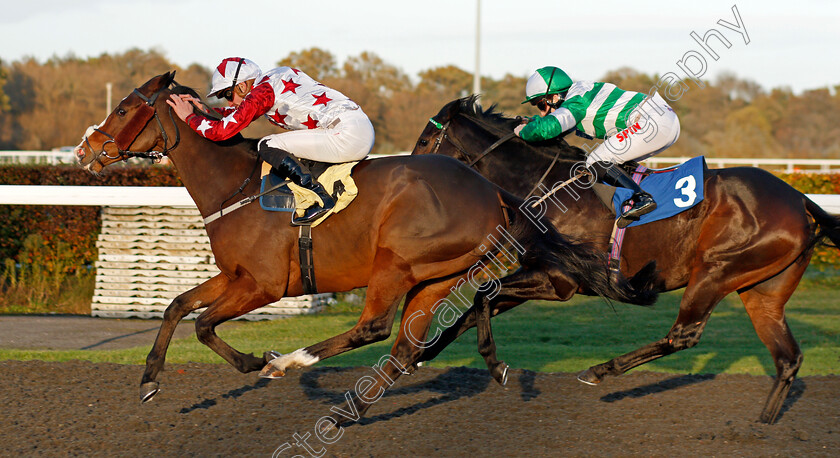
[546,81]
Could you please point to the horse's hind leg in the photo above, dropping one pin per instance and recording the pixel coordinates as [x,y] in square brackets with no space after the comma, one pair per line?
[765,303]
[198,297]
[384,293]
[405,353]
[703,293]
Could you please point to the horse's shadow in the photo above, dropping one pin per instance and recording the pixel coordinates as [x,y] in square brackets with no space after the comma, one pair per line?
[234,393]
[453,384]
[658,387]
[797,389]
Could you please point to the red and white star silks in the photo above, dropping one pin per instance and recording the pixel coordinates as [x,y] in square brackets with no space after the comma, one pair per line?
[287,96]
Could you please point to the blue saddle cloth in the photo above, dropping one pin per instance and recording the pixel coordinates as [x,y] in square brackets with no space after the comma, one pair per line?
[675,191]
[279,200]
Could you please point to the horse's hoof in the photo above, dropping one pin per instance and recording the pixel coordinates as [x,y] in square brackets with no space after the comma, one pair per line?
[271,372]
[768,417]
[271,355]
[588,377]
[148,390]
[500,373]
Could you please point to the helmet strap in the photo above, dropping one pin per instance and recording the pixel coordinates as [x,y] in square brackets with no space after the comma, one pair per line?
[555,105]
[550,79]
[546,97]
[236,75]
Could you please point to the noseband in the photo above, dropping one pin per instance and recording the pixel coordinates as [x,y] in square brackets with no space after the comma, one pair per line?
[135,126]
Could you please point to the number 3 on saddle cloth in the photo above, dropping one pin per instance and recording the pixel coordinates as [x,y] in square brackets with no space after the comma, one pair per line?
[675,190]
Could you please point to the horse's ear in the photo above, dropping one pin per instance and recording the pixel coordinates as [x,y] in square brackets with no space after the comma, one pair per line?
[453,108]
[169,77]
[473,100]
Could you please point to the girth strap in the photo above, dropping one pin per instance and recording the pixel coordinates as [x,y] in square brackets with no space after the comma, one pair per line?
[307,260]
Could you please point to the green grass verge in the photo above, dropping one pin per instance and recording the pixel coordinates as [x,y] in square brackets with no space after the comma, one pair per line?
[553,337]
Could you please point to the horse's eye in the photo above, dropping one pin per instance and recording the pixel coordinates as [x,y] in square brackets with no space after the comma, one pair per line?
[423,142]
[120,112]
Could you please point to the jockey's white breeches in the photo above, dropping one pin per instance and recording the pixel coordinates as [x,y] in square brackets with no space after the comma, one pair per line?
[350,139]
[655,128]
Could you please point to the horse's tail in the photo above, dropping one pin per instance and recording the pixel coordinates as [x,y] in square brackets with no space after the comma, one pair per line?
[828,226]
[545,248]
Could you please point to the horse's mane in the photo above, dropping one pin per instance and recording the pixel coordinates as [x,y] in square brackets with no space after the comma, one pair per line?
[491,117]
[498,123]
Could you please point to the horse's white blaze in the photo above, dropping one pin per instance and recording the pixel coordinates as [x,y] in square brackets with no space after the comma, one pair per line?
[89,132]
[293,360]
[82,145]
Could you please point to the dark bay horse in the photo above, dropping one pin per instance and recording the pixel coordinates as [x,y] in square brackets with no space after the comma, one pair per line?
[753,234]
[417,228]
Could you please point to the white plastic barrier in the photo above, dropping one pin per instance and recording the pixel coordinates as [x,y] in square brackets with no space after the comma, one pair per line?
[152,247]
[134,196]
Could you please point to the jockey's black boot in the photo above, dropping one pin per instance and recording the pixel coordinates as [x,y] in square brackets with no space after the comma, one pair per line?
[643,202]
[291,168]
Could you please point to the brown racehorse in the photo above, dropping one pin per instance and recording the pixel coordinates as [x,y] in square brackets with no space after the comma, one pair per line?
[753,234]
[417,228]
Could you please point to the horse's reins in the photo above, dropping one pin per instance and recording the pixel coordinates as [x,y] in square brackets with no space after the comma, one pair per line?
[454,142]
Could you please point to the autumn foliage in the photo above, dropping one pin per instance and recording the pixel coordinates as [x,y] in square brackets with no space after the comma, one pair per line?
[47,105]
[77,227]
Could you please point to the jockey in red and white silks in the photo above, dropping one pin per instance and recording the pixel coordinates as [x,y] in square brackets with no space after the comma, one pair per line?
[325,124]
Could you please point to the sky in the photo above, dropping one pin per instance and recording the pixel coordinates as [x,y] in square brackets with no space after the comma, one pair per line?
[790,44]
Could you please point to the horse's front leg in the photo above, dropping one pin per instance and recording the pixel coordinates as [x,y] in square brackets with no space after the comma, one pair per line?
[225,299]
[701,296]
[525,284]
[242,295]
[201,296]
[464,322]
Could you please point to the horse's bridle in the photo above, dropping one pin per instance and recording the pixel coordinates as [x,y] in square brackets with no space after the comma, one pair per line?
[454,142]
[133,129]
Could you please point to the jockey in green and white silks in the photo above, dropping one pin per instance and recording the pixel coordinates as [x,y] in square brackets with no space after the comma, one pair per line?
[633,126]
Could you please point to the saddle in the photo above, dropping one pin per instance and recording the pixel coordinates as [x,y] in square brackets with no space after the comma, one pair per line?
[285,196]
[675,190]
[279,194]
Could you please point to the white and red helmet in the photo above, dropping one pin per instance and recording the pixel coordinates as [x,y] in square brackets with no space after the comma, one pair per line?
[231,71]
